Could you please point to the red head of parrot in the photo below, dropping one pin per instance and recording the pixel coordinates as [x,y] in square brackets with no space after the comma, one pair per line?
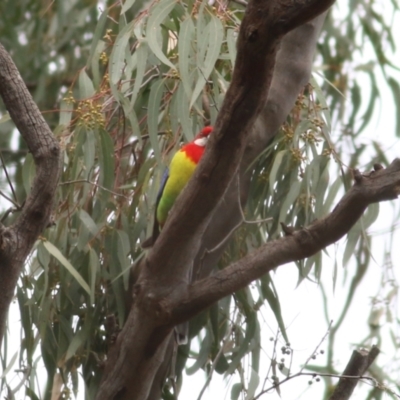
[176,177]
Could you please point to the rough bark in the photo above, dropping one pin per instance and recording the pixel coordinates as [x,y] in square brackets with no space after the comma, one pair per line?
[16,241]
[292,72]
[164,279]
[358,364]
[380,185]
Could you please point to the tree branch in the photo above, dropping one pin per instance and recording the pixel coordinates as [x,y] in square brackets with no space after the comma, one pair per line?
[358,364]
[16,241]
[261,32]
[165,272]
[292,72]
[379,185]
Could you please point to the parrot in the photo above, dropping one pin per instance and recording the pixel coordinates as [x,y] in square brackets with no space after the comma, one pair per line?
[175,178]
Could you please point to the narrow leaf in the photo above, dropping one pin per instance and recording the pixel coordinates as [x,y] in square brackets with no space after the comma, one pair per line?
[98,34]
[86,88]
[63,261]
[394,85]
[127,5]
[214,34]
[117,57]
[155,97]
[106,159]
[141,52]
[153,28]
[186,34]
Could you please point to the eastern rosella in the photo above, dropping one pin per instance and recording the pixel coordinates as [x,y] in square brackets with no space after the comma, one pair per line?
[175,178]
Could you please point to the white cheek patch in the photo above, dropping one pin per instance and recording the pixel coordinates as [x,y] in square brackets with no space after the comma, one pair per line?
[201,141]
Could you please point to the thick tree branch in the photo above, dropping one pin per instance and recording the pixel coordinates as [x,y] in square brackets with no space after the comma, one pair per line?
[165,273]
[358,364]
[261,32]
[380,185]
[16,241]
[292,72]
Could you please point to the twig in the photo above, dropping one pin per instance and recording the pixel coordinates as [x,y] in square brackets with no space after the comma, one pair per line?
[313,374]
[94,184]
[316,349]
[8,177]
[243,220]
[10,200]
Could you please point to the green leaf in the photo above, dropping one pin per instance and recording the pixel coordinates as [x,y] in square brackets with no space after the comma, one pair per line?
[89,154]
[117,57]
[28,173]
[76,342]
[290,200]
[94,266]
[141,52]
[96,66]
[66,110]
[270,294]
[231,41]
[153,29]
[86,88]
[322,101]
[185,43]
[352,240]
[252,327]
[374,96]
[10,365]
[63,261]
[106,160]
[127,5]
[98,34]
[333,191]
[274,171]
[394,85]
[236,389]
[88,222]
[253,384]
[211,41]
[371,215]
[321,191]
[183,113]
[124,250]
[31,394]
[203,355]
[156,93]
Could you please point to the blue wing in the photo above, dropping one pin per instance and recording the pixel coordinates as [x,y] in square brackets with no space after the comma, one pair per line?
[163,182]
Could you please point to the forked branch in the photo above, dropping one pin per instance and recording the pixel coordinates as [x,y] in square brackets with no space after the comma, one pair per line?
[17,240]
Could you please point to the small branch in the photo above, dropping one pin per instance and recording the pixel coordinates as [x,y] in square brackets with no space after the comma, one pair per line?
[354,379]
[359,363]
[8,177]
[14,203]
[94,184]
[377,186]
[316,349]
